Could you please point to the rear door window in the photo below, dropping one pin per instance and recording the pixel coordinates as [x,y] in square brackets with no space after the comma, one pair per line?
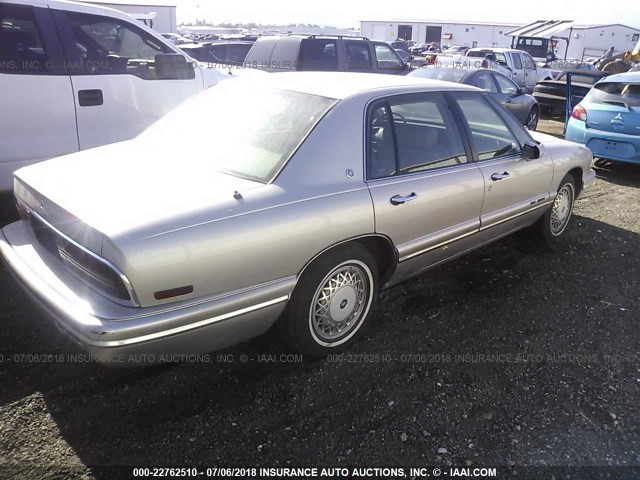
[410,134]
[318,54]
[358,55]
[490,134]
[21,47]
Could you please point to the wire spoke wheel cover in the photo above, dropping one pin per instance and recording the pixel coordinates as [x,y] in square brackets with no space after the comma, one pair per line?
[561,209]
[340,303]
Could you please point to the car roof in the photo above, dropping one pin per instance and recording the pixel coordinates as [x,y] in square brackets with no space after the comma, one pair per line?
[340,85]
[494,49]
[214,43]
[627,77]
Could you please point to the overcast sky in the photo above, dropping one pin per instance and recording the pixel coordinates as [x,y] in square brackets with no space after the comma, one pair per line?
[347,13]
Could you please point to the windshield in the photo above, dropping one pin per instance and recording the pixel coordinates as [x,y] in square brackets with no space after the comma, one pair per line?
[239,127]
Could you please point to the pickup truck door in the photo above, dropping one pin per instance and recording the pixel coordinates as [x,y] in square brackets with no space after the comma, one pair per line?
[426,191]
[37,119]
[517,70]
[515,188]
[530,71]
[117,86]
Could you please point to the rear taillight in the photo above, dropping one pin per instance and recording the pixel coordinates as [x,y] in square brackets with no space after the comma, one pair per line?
[93,271]
[579,113]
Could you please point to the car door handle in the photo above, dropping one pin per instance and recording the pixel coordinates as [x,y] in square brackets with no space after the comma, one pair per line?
[90,98]
[499,176]
[399,199]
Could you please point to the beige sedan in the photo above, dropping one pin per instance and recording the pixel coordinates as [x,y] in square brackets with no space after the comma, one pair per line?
[292,200]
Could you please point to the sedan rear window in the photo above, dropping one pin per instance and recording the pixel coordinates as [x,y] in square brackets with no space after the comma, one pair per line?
[624,94]
[447,74]
[242,129]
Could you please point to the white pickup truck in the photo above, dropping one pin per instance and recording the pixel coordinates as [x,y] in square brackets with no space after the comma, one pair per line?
[518,65]
[74,76]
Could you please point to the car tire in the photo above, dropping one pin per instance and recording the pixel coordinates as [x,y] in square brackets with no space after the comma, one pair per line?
[555,220]
[532,119]
[332,302]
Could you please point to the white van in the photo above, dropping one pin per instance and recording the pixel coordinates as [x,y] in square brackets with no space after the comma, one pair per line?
[75,76]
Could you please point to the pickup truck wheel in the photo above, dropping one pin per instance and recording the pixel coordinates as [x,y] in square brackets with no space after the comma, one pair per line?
[532,119]
[555,220]
[332,302]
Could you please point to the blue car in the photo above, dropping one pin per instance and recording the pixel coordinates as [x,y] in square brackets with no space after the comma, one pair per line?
[607,120]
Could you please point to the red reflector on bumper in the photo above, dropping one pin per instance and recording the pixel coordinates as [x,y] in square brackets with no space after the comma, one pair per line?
[173,292]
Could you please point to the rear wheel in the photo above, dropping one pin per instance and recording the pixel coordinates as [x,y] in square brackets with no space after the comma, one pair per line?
[554,222]
[332,302]
[532,119]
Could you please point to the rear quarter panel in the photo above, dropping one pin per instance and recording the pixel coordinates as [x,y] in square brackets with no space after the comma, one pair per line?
[272,232]
[566,157]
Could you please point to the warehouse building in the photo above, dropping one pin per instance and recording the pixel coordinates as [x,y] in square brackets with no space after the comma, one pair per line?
[156,14]
[591,41]
[576,41]
[469,34]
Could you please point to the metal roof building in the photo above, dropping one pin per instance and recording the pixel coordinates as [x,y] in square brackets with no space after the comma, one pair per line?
[586,41]
[157,14]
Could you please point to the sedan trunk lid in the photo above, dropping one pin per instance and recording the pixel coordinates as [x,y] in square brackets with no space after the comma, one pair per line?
[124,188]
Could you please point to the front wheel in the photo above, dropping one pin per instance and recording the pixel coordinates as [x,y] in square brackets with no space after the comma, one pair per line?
[332,302]
[554,222]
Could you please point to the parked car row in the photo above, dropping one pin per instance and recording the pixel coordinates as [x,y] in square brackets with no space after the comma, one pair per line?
[324,53]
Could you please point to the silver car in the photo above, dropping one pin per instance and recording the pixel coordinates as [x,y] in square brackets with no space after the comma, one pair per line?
[293,200]
[502,89]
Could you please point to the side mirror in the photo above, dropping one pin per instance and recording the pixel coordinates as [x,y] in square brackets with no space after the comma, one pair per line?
[174,66]
[530,152]
[522,91]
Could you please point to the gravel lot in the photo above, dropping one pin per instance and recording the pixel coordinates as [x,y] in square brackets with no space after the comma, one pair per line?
[507,357]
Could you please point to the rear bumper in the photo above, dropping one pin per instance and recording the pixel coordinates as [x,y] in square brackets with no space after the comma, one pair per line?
[116,334]
[618,147]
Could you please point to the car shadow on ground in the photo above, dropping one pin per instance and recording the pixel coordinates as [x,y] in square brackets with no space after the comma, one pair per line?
[624,174]
[8,212]
[399,396]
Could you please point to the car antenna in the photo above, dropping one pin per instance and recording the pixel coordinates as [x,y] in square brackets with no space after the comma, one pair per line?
[237,195]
